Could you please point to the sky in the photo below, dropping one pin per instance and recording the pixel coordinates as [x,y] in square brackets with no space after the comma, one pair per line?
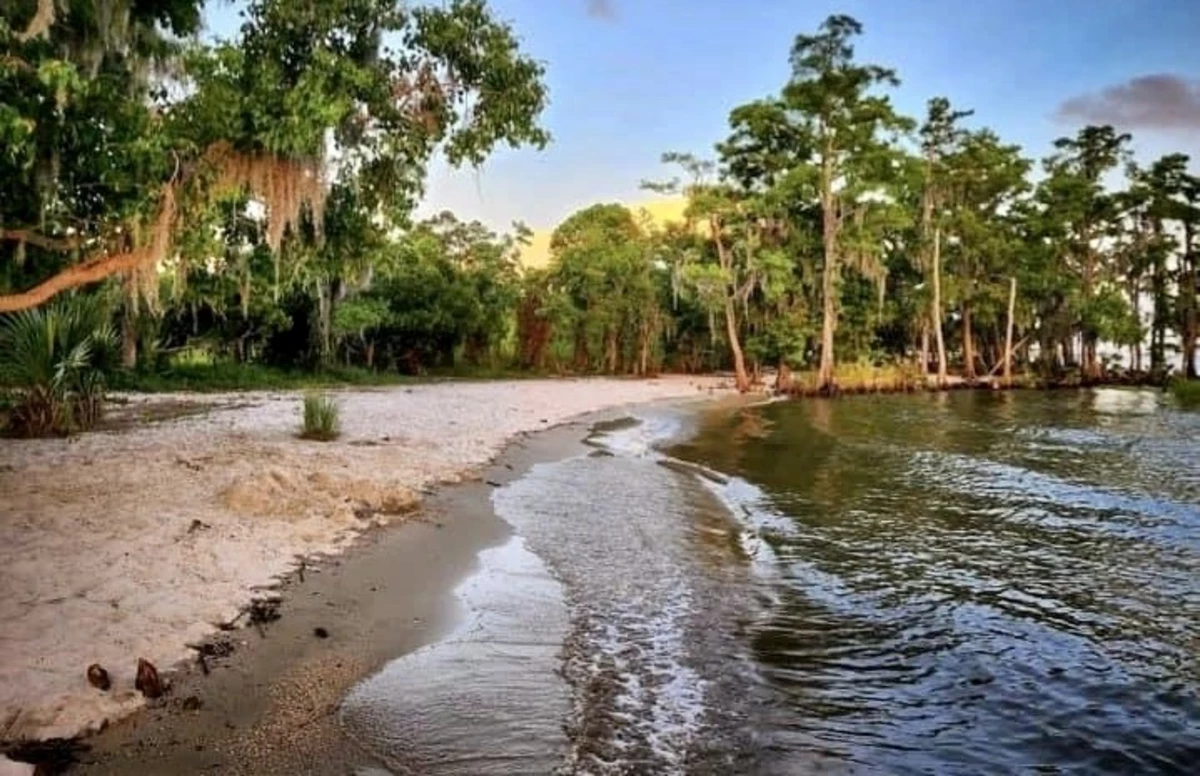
[630,79]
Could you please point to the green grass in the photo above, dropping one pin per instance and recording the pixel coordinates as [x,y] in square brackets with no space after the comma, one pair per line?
[321,418]
[227,376]
[1187,392]
[210,378]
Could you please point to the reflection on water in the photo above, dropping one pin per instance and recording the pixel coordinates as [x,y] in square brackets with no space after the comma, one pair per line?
[974,583]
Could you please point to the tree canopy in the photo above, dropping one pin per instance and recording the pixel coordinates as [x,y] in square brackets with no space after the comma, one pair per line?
[251,200]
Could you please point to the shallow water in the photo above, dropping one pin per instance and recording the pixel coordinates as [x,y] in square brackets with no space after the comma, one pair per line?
[956,583]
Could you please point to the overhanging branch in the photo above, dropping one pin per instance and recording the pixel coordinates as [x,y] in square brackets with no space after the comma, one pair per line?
[89,271]
[40,23]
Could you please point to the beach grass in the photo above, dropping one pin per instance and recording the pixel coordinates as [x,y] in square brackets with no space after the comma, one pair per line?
[863,378]
[1187,392]
[322,418]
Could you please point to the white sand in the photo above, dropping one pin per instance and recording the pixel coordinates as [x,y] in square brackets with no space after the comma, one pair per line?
[101,562]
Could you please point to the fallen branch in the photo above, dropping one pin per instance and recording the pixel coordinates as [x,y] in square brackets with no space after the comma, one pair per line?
[1011,351]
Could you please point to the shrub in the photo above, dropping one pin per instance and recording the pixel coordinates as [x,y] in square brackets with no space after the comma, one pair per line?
[55,357]
[320,418]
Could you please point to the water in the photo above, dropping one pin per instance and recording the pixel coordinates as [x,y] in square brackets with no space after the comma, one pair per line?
[957,583]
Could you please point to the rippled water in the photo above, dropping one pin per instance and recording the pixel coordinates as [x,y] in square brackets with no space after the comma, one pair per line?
[958,583]
[976,583]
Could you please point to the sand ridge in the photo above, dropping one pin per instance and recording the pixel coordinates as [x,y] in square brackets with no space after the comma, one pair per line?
[115,546]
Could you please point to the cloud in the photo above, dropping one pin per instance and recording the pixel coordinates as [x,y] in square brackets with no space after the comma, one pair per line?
[602,9]
[1159,101]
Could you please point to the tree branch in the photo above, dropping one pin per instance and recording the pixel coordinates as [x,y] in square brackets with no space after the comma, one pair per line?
[16,63]
[41,240]
[72,277]
[40,23]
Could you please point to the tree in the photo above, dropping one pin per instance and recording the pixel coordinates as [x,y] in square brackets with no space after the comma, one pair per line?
[77,152]
[260,111]
[727,223]
[1080,201]
[604,276]
[841,120]
[985,181]
[940,136]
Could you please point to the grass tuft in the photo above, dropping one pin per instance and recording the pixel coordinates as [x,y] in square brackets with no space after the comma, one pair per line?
[321,418]
[1186,392]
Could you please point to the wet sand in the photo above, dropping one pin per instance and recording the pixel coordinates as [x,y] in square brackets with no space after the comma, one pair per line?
[271,706]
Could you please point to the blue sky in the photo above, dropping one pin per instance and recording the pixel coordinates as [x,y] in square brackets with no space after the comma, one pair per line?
[630,79]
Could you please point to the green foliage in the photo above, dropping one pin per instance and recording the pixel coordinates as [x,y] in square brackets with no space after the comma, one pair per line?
[1186,392]
[56,358]
[814,230]
[321,418]
[78,149]
[604,291]
[449,76]
[99,143]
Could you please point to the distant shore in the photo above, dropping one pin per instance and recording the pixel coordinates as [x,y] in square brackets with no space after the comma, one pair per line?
[141,541]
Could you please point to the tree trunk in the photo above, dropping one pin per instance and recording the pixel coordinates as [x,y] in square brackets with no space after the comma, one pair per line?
[783,378]
[936,310]
[1008,334]
[1135,302]
[1190,330]
[1158,326]
[741,379]
[581,357]
[643,350]
[1087,337]
[610,350]
[370,354]
[968,344]
[924,352]
[829,234]
[129,343]
[324,321]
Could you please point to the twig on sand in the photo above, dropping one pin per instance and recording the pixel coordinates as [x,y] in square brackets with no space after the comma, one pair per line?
[259,610]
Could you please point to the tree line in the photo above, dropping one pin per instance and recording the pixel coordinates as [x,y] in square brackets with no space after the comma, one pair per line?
[251,200]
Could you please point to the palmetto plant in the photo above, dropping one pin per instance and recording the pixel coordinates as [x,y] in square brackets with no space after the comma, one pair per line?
[56,357]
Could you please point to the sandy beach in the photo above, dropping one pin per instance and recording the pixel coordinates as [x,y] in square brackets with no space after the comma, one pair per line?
[141,540]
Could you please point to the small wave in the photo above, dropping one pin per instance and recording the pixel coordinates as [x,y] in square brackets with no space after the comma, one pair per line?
[486,699]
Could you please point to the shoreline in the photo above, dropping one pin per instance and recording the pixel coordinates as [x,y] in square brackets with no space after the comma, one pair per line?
[271,707]
[443,434]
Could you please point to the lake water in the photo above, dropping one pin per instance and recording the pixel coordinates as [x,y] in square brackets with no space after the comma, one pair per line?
[949,583]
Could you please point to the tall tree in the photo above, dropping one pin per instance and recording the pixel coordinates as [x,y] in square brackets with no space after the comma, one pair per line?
[940,136]
[841,120]
[1087,207]
[985,180]
[717,210]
